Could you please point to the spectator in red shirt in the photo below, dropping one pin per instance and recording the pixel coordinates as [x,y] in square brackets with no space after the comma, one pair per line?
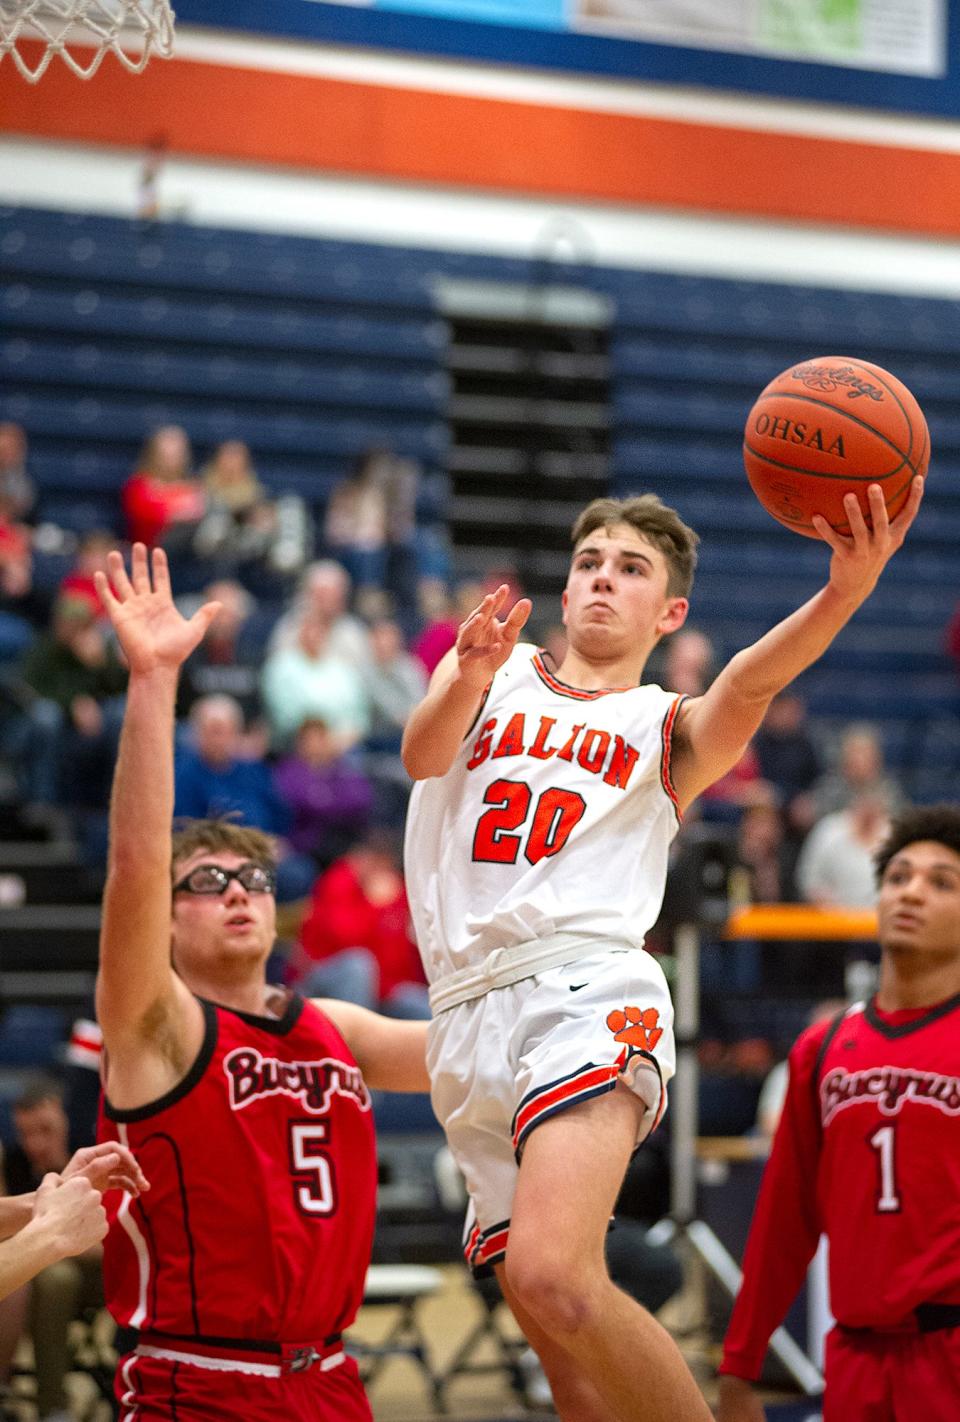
[162,501]
[356,941]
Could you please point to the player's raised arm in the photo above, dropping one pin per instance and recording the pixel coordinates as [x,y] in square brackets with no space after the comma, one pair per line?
[138,994]
[436,728]
[714,729]
[390,1053]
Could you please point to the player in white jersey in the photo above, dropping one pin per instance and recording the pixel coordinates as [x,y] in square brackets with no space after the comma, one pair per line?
[536,856]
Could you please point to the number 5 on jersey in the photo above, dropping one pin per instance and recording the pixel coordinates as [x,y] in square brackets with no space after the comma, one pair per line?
[314,1186]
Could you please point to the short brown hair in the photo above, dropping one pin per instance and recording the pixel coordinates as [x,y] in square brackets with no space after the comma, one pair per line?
[939,823]
[221,837]
[658,524]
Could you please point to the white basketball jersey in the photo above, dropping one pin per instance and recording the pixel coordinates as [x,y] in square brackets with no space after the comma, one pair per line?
[555,817]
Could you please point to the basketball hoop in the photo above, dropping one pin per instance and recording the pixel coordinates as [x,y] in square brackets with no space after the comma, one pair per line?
[134,30]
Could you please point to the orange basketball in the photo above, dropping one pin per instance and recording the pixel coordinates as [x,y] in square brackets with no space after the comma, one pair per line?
[827,426]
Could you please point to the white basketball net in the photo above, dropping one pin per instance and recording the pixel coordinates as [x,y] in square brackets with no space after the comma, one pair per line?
[81,32]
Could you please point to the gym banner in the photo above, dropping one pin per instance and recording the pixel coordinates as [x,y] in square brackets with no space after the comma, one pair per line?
[891,55]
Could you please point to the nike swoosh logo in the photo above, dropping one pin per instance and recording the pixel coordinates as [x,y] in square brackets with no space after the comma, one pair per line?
[575,987]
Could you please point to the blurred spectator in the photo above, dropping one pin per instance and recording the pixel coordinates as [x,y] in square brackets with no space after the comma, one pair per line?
[395,682]
[788,760]
[370,523]
[229,659]
[442,616]
[242,525]
[773,1093]
[215,778]
[724,800]
[91,558]
[355,523]
[311,679]
[50,1302]
[324,594]
[688,665]
[22,605]
[357,938]
[860,771]
[952,638]
[328,795]
[162,501]
[762,852]
[836,866]
[17,490]
[75,667]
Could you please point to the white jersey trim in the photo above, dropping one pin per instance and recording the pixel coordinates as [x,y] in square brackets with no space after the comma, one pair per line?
[132,1229]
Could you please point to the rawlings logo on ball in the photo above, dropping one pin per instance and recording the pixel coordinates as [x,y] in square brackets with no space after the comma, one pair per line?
[825,377]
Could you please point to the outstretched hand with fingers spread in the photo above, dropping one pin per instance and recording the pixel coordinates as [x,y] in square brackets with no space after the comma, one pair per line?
[150,629]
[484,642]
[858,560]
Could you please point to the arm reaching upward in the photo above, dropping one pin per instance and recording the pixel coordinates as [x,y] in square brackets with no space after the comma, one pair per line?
[713,730]
[150,1021]
[436,727]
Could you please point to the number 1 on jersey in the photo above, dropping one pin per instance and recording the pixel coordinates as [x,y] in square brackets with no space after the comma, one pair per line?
[884,1142]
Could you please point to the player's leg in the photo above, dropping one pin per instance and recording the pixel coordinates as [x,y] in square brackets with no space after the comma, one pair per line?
[570,1174]
[574,1396]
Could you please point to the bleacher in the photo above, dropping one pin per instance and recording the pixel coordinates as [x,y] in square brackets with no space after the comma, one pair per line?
[312,350]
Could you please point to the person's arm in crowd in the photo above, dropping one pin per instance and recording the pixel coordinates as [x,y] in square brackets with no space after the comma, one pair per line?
[434,733]
[390,1053]
[107,1166]
[713,730]
[783,1237]
[67,1218]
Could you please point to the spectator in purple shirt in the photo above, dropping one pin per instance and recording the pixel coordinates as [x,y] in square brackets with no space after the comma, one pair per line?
[330,797]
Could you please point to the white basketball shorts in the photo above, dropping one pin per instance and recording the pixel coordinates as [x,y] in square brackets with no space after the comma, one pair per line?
[503,1063]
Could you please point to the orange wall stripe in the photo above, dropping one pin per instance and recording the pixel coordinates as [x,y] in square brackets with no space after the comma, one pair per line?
[303,121]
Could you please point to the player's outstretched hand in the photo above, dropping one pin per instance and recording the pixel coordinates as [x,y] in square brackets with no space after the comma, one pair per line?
[151,631]
[108,1166]
[737,1401]
[70,1212]
[484,642]
[858,560]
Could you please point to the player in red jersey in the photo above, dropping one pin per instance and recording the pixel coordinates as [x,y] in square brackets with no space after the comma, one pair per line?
[247,1107]
[868,1153]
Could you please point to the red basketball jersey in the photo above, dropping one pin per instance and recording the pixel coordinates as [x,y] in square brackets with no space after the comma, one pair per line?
[262,1165]
[868,1153]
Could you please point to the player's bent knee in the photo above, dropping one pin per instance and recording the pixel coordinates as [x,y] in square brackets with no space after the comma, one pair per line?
[562,1300]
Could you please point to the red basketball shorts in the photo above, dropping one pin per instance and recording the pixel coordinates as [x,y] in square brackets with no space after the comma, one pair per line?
[892,1377]
[150,1389]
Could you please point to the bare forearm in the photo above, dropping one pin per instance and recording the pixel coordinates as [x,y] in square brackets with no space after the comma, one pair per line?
[33,1248]
[436,728]
[15,1211]
[759,672]
[141,805]
[134,942]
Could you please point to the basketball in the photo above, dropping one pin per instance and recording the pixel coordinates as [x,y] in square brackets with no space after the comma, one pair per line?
[827,426]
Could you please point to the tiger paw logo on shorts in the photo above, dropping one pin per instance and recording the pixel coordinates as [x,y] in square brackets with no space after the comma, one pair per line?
[638,1027]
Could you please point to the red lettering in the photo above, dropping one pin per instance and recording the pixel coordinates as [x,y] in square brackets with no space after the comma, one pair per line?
[482,748]
[567,752]
[593,750]
[511,742]
[621,765]
[540,750]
